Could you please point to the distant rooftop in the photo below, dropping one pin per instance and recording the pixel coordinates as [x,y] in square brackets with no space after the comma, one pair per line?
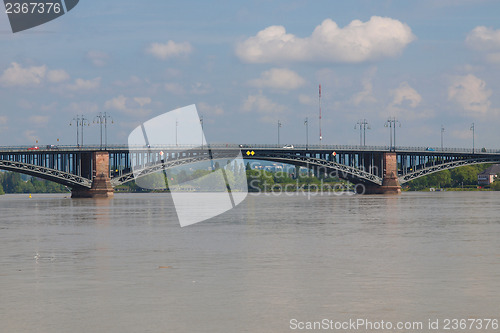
[492,170]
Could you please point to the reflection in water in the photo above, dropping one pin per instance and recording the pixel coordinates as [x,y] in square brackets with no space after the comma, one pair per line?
[93,265]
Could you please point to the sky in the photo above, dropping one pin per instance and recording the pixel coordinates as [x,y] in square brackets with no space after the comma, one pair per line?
[247,65]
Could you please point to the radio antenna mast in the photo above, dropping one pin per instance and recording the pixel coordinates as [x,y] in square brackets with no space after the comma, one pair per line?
[320,136]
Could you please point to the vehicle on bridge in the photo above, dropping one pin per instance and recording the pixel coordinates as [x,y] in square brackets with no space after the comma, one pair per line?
[288,147]
[33,148]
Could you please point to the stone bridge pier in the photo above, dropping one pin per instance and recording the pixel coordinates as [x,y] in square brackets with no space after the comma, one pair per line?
[390,183]
[101,183]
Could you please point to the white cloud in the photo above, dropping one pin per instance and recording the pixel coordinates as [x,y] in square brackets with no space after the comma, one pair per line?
[81,107]
[133,106]
[170,49]
[484,39]
[261,104]
[405,93]
[118,103]
[366,95]
[214,110]
[487,41]
[174,88]
[471,94]
[278,78]
[142,100]
[377,38]
[16,75]
[57,75]
[97,58]
[82,85]
[405,101]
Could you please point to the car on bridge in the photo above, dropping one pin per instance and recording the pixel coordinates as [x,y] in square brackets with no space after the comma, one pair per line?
[33,148]
[288,146]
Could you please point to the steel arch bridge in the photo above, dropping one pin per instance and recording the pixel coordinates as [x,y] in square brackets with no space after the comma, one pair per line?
[77,167]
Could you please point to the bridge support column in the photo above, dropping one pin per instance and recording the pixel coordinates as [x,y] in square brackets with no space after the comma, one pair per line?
[101,184]
[390,183]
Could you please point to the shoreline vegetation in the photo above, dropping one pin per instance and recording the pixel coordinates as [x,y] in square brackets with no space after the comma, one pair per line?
[458,179]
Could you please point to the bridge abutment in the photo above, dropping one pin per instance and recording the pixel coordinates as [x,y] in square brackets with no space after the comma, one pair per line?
[101,182]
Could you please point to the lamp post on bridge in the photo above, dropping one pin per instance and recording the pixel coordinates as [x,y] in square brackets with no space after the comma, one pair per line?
[472,128]
[442,131]
[391,123]
[279,125]
[102,118]
[363,126]
[79,120]
[306,123]
[201,122]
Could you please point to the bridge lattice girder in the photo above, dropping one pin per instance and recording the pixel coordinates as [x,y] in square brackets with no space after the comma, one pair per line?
[446,166]
[54,175]
[340,170]
[157,167]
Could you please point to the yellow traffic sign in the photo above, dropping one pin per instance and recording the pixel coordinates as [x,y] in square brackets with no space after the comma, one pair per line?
[250,153]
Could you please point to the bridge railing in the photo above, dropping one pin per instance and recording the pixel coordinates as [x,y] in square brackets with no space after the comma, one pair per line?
[246,147]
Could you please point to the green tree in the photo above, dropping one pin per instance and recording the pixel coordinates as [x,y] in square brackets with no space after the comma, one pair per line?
[259,180]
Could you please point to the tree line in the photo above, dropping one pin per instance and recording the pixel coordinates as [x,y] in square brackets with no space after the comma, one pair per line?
[13,182]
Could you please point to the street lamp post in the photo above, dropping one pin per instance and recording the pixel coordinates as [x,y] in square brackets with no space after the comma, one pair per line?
[279,125]
[102,119]
[363,126]
[201,122]
[472,128]
[391,123]
[306,123]
[442,131]
[79,120]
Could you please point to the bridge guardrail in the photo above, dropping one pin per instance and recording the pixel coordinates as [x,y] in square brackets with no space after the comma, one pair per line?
[252,146]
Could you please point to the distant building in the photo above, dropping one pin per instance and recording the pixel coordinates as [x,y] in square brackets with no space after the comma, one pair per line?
[489,175]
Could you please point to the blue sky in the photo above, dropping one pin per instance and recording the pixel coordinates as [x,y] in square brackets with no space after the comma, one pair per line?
[247,65]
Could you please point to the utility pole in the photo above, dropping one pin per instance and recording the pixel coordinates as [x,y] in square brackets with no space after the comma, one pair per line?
[363,126]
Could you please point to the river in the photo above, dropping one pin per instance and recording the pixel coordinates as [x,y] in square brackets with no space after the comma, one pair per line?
[275,263]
